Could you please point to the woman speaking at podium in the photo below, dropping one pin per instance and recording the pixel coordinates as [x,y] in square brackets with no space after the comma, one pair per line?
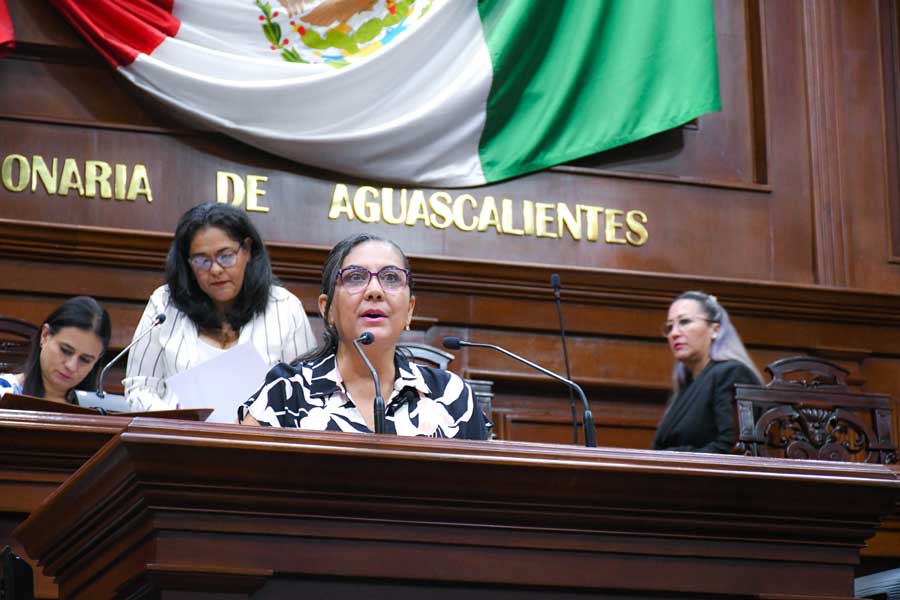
[367,298]
[220,291]
[65,353]
[710,359]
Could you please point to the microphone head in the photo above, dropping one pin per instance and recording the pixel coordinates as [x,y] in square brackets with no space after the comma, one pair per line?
[160,319]
[366,338]
[452,343]
[554,281]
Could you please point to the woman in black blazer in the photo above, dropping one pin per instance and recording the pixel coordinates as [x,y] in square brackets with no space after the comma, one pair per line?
[710,359]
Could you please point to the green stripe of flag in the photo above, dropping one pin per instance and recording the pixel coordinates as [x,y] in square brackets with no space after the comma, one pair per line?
[575,77]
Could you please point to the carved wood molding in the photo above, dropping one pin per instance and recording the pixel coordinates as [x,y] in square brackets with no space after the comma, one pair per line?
[126,249]
[758,83]
[164,576]
[696,181]
[822,28]
[82,244]
[889,16]
[542,381]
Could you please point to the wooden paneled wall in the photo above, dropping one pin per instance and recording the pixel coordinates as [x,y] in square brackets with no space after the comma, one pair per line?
[785,204]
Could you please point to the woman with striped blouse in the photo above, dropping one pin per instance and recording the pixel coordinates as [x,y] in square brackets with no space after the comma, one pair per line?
[219,292]
[367,290]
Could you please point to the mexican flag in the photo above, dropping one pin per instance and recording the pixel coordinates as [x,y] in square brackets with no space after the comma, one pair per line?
[7,34]
[429,92]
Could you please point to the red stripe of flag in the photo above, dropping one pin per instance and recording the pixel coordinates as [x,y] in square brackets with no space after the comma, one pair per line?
[7,35]
[121,29]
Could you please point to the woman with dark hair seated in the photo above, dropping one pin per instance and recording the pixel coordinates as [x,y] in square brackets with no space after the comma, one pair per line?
[366,287]
[709,359]
[220,291]
[65,353]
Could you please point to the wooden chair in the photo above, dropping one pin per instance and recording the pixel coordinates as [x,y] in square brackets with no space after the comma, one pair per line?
[15,343]
[808,412]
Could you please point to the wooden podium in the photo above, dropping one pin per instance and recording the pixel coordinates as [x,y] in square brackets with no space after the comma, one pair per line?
[43,443]
[40,451]
[170,509]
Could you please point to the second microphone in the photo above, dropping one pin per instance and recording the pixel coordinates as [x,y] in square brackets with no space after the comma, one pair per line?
[590,437]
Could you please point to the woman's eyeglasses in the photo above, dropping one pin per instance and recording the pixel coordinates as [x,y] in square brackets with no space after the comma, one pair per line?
[682,324]
[225,259]
[355,278]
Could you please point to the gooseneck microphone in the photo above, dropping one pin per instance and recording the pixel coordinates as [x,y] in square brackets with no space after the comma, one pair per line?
[367,338]
[555,284]
[590,438]
[157,321]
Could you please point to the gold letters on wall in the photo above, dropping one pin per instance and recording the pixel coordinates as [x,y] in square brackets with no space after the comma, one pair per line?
[405,207]
[90,179]
[441,210]
[230,187]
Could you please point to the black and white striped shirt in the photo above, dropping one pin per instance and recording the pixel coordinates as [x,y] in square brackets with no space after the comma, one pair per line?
[281,333]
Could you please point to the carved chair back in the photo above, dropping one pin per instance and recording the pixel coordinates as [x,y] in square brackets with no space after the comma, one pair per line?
[807,411]
[15,343]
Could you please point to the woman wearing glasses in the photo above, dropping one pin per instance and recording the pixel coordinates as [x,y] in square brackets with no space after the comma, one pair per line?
[220,291]
[366,287]
[709,359]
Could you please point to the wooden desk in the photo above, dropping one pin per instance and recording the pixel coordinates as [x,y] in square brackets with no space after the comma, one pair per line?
[40,451]
[179,510]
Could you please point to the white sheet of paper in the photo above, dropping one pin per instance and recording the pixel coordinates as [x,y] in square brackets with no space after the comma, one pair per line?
[221,383]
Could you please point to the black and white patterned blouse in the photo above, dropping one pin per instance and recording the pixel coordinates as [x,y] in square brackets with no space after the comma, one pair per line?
[424,402]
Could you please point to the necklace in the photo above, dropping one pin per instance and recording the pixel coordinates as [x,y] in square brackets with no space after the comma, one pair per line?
[225,336]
